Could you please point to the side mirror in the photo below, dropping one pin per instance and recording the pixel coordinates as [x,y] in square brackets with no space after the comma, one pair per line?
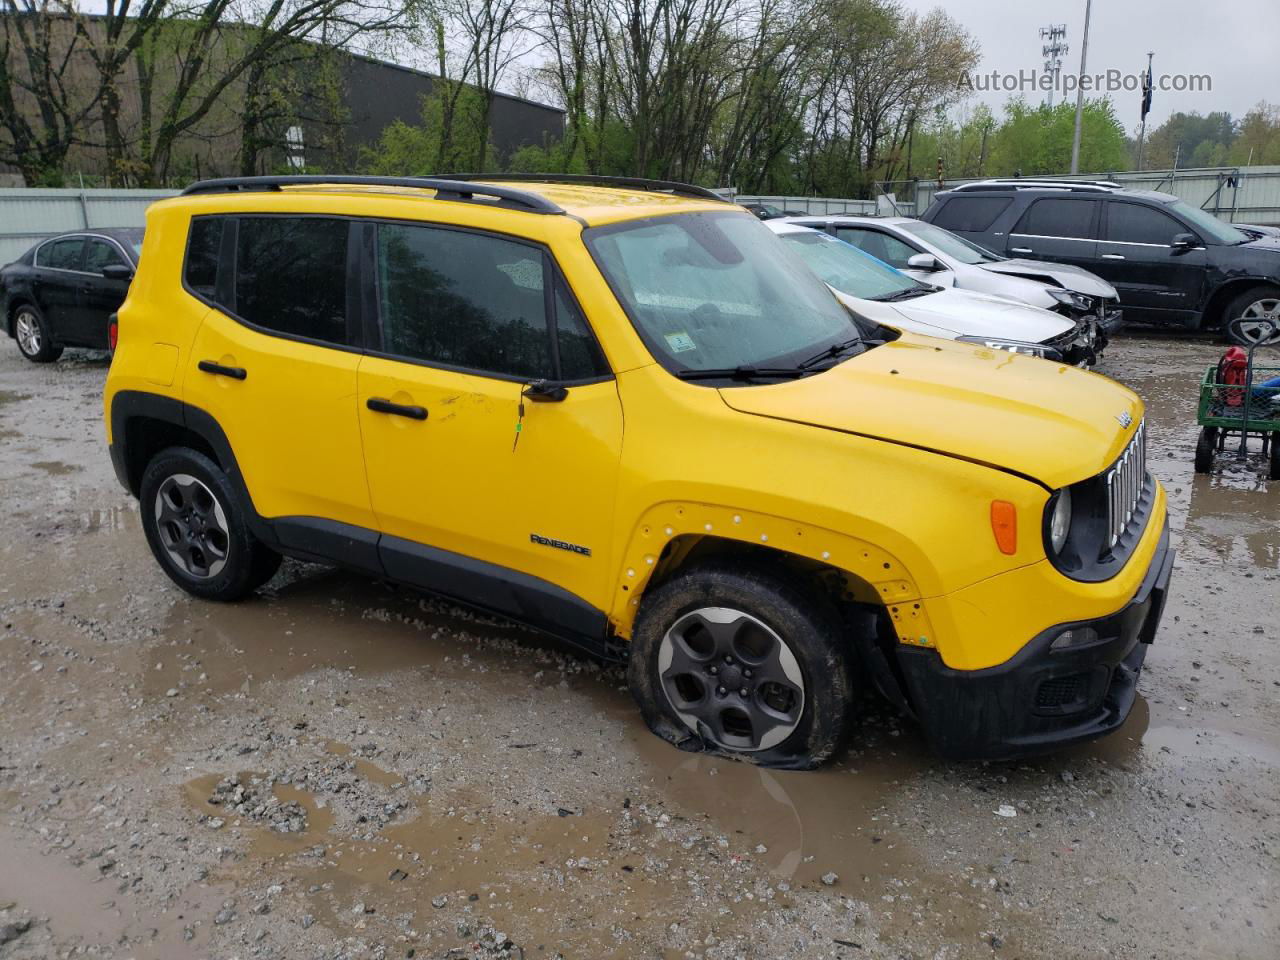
[546,391]
[117,271]
[1183,242]
[924,261]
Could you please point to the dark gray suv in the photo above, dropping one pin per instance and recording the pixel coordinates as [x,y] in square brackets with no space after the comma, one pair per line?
[1172,263]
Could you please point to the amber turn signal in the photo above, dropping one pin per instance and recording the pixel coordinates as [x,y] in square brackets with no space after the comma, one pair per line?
[1004,524]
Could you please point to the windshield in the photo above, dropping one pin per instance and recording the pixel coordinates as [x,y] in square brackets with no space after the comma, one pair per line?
[1208,224]
[958,248]
[710,291]
[848,269]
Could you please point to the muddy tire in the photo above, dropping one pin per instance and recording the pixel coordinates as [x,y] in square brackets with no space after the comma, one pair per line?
[1206,449]
[196,528]
[31,332]
[738,660]
[1255,303]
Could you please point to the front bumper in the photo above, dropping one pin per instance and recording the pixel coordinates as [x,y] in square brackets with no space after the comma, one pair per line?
[1040,699]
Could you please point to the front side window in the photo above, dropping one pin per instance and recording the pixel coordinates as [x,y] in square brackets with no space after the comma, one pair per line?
[464,300]
[102,254]
[291,276]
[1058,217]
[848,269]
[61,254]
[1134,223]
[957,248]
[880,245]
[712,291]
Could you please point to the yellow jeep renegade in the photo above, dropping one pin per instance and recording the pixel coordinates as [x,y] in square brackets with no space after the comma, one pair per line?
[622,412]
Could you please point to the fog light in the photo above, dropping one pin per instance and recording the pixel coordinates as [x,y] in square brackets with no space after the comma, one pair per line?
[1074,638]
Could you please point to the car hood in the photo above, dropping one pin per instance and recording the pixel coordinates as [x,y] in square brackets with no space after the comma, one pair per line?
[964,313]
[1262,245]
[1062,275]
[1043,420]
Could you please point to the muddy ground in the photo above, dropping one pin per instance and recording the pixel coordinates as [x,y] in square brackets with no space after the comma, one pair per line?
[335,769]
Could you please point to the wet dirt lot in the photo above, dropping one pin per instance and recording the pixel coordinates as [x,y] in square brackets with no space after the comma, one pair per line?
[335,769]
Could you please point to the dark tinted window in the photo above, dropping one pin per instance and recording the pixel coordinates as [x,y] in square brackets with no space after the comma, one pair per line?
[291,276]
[61,254]
[580,357]
[1134,223]
[463,299]
[1054,217]
[102,254]
[971,213]
[883,247]
[203,248]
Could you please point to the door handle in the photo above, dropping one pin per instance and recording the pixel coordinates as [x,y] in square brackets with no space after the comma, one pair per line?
[379,405]
[218,370]
[1021,250]
[1112,256]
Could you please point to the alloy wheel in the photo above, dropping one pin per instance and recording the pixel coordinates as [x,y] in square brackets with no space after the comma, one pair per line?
[192,526]
[732,679]
[26,330]
[1259,311]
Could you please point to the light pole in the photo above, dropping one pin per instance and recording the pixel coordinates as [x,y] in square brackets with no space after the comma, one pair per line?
[1084,59]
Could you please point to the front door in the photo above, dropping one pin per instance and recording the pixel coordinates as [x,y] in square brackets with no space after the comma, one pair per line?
[482,493]
[1137,257]
[274,363]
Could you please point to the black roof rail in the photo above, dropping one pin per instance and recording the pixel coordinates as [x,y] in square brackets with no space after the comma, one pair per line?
[594,180]
[446,189]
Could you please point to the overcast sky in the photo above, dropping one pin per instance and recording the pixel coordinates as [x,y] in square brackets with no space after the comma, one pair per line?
[1234,41]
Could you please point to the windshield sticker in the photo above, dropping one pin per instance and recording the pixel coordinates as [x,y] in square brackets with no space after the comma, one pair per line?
[680,342]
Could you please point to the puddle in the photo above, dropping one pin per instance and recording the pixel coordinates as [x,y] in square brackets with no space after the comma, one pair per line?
[12,396]
[363,767]
[55,468]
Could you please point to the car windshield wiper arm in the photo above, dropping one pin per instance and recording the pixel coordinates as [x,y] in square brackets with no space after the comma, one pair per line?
[744,372]
[909,294]
[832,352]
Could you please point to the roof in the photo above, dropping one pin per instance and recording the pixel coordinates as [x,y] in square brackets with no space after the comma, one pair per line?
[850,218]
[1051,186]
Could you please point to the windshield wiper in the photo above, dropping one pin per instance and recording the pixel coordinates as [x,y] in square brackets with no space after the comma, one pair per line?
[744,372]
[909,294]
[833,351]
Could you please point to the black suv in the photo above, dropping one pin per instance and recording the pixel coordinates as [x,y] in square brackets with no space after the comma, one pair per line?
[1172,263]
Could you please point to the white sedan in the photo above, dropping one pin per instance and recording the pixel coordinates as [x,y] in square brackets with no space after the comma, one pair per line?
[880,293]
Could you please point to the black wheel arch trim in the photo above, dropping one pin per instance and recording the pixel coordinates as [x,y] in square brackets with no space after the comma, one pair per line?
[520,596]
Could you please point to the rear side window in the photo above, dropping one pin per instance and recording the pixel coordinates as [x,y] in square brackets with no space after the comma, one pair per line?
[463,299]
[1058,217]
[1134,223]
[61,254]
[971,213]
[291,276]
[203,247]
[883,247]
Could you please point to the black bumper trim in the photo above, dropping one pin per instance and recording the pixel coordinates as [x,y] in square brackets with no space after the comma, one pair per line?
[1001,712]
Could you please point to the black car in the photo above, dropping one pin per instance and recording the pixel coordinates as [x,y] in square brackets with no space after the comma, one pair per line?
[1172,263]
[64,290]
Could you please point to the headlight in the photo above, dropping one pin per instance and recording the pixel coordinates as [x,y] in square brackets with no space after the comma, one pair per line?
[1069,298]
[1060,521]
[1014,346]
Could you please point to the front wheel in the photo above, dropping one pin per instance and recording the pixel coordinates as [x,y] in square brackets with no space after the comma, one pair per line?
[1206,449]
[1254,308]
[744,661]
[196,528]
[32,334]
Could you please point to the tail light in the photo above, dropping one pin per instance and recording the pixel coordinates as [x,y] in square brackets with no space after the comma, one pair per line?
[113,333]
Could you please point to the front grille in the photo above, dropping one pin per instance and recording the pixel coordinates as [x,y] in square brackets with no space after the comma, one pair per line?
[1062,691]
[1125,482]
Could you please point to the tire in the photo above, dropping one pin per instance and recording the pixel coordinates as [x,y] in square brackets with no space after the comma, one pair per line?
[1206,449]
[776,632]
[1262,300]
[196,528]
[1275,456]
[31,331]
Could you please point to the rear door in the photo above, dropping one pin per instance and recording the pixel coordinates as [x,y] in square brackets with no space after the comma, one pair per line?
[274,363]
[1138,259]
[1059,230]
[480,493]
[98,296]
[55,283]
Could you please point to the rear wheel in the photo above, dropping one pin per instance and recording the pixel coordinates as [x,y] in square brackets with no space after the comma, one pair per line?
[1275,456]
[1206,449]
[32,334]
[744,662]
[197,530]
[1255,306]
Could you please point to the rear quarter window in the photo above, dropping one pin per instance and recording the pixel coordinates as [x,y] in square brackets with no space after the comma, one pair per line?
[973,214]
